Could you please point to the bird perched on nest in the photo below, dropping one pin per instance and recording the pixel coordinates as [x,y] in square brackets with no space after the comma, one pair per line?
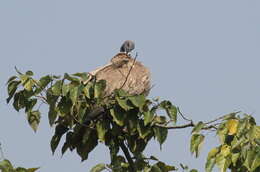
[123,72]
[127,46]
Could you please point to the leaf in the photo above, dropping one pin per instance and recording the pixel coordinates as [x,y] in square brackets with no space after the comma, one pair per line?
[98,168]
[138,100]
[196,143]
[210,164]
[65,89]
[252,160]
[84,75]
[102,128]
[99,88]
[28,84]
[232,126]
[124,103]
[74,94]
[198,127]
[56,88]
[118,116]
[29,72]
[43,82]
[223,162]
[142,130]
[6,165]
[148,117]
[11,79]
[52,114]
[12,87]
[30,104]
[70,78]
[234,158]
[32,169]
[160,134]
[155,168]
[33,118]
[55,142]
[164,167]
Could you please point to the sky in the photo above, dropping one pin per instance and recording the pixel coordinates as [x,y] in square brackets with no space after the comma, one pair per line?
[204,56]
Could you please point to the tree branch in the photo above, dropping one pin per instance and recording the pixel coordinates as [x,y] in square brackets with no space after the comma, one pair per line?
[129,71]
[127,155]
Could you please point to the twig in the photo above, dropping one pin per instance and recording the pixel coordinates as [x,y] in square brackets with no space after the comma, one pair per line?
[222,117]
[44,100]
[129,71]
[183,116]
[127,155]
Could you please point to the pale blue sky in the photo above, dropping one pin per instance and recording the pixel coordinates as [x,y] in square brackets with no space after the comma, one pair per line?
[203,55]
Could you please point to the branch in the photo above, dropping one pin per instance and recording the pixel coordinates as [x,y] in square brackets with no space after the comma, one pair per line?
[187,126]
[129,72]
[127,155]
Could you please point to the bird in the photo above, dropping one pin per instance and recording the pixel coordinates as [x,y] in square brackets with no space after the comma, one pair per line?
[127,46]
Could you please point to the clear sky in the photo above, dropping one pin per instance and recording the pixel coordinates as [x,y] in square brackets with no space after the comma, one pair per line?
[203,55]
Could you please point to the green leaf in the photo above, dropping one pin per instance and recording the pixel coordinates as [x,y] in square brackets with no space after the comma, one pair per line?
[32,169]
[70,78]
[29,72]
[98,168]
[11,79]
[198,127]
[234,158]
[84,75]
[55,142]
[124,103]
[74,93]
[210,164]
[160,134]
[52,114]
[65,89]
[196,143]
[6,165]
[252,160]
[223,162]
[99,88]
[164,167]
[148,117]
[28,84]
[142,130]
[89,90]
[33,118]
[102,128]
[43,82]
[155,168]
[138,100]
[118,116]
[56,88]
[64,106]
[30,104]
[193,170]
[12,87]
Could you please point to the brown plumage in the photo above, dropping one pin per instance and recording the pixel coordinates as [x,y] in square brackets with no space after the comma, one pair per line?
[126,73]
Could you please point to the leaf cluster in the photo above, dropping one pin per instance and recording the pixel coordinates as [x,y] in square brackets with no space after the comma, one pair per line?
[6,166]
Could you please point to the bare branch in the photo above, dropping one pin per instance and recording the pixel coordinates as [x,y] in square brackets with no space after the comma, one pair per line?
[127,155]
[129,71]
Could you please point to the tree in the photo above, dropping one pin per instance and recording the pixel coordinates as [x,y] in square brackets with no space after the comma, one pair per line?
[128,122]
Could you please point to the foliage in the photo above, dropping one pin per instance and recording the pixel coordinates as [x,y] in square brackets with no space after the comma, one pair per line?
[6,166]
[80,112]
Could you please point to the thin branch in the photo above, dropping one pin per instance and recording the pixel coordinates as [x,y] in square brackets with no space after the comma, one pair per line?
[128,156]
[129,71]
[44,100]
[222,117]
[183,116]
[176,127]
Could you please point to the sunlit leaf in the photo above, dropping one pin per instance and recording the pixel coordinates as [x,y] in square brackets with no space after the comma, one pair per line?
[98,168]
[56,88]
[148,117]
[138,100]
[196,143]
[118,116]
[232,126]
[198,127]
[33,118]
[102,128]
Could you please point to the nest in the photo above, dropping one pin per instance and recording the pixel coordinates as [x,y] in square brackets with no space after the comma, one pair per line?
[124,72]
